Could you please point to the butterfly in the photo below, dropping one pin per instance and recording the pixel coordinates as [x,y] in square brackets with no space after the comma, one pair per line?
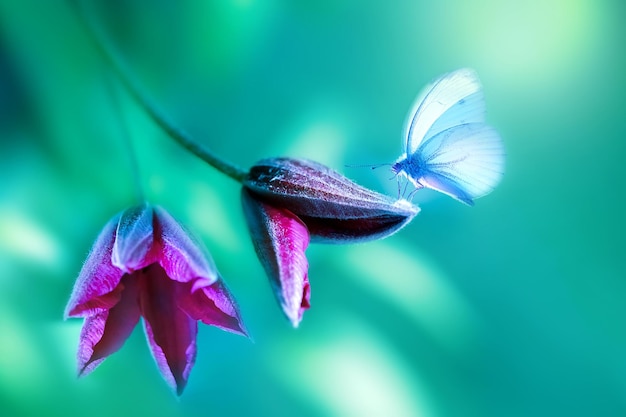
[447,145]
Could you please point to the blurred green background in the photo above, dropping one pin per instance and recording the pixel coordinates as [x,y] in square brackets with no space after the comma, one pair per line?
[512,308]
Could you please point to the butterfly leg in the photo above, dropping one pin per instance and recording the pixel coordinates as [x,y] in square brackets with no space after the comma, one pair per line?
[401,188]
[412,193]
[406,186]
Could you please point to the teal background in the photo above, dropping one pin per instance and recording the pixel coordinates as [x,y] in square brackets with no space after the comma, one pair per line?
[514,307]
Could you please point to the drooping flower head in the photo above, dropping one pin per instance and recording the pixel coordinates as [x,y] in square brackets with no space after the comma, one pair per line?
[288,202]
[144,264]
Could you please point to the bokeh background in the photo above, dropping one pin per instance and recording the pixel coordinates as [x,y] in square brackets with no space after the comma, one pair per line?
[515,307]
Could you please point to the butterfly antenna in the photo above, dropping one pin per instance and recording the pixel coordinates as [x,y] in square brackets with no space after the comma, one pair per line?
[372,166]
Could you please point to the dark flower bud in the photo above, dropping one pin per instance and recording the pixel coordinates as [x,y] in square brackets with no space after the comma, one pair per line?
[334,208]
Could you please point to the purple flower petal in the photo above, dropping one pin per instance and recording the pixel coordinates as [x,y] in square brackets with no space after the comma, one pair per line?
[213,305]
[134,238]
[98,278]
[170,331]
[106,332]
[90,335]
[280,240]
[183,258]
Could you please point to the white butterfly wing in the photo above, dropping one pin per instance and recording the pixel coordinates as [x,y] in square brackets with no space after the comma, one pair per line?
[453,99]
[464,162]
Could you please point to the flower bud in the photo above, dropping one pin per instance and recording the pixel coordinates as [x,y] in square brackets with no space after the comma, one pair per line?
[334,208]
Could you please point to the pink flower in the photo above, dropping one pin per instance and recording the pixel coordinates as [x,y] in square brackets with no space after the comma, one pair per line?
[144,264]
[289,201]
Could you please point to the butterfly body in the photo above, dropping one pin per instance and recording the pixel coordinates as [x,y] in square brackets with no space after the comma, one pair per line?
[410,168]
[448,146]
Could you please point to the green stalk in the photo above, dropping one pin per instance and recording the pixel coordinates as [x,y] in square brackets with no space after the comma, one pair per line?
[173,131]
[125,133]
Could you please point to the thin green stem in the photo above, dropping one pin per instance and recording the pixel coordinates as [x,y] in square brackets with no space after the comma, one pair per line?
[173,131]
[114,93]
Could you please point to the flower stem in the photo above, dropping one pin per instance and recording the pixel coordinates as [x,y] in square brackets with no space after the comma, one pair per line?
[126,136]
[173,131]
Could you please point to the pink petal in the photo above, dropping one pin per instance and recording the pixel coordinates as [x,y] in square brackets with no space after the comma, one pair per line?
[134,237]
[90,334]
[213,305]
[97,278]
[106,332]
[182,256]
[170,331]
[280,239]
